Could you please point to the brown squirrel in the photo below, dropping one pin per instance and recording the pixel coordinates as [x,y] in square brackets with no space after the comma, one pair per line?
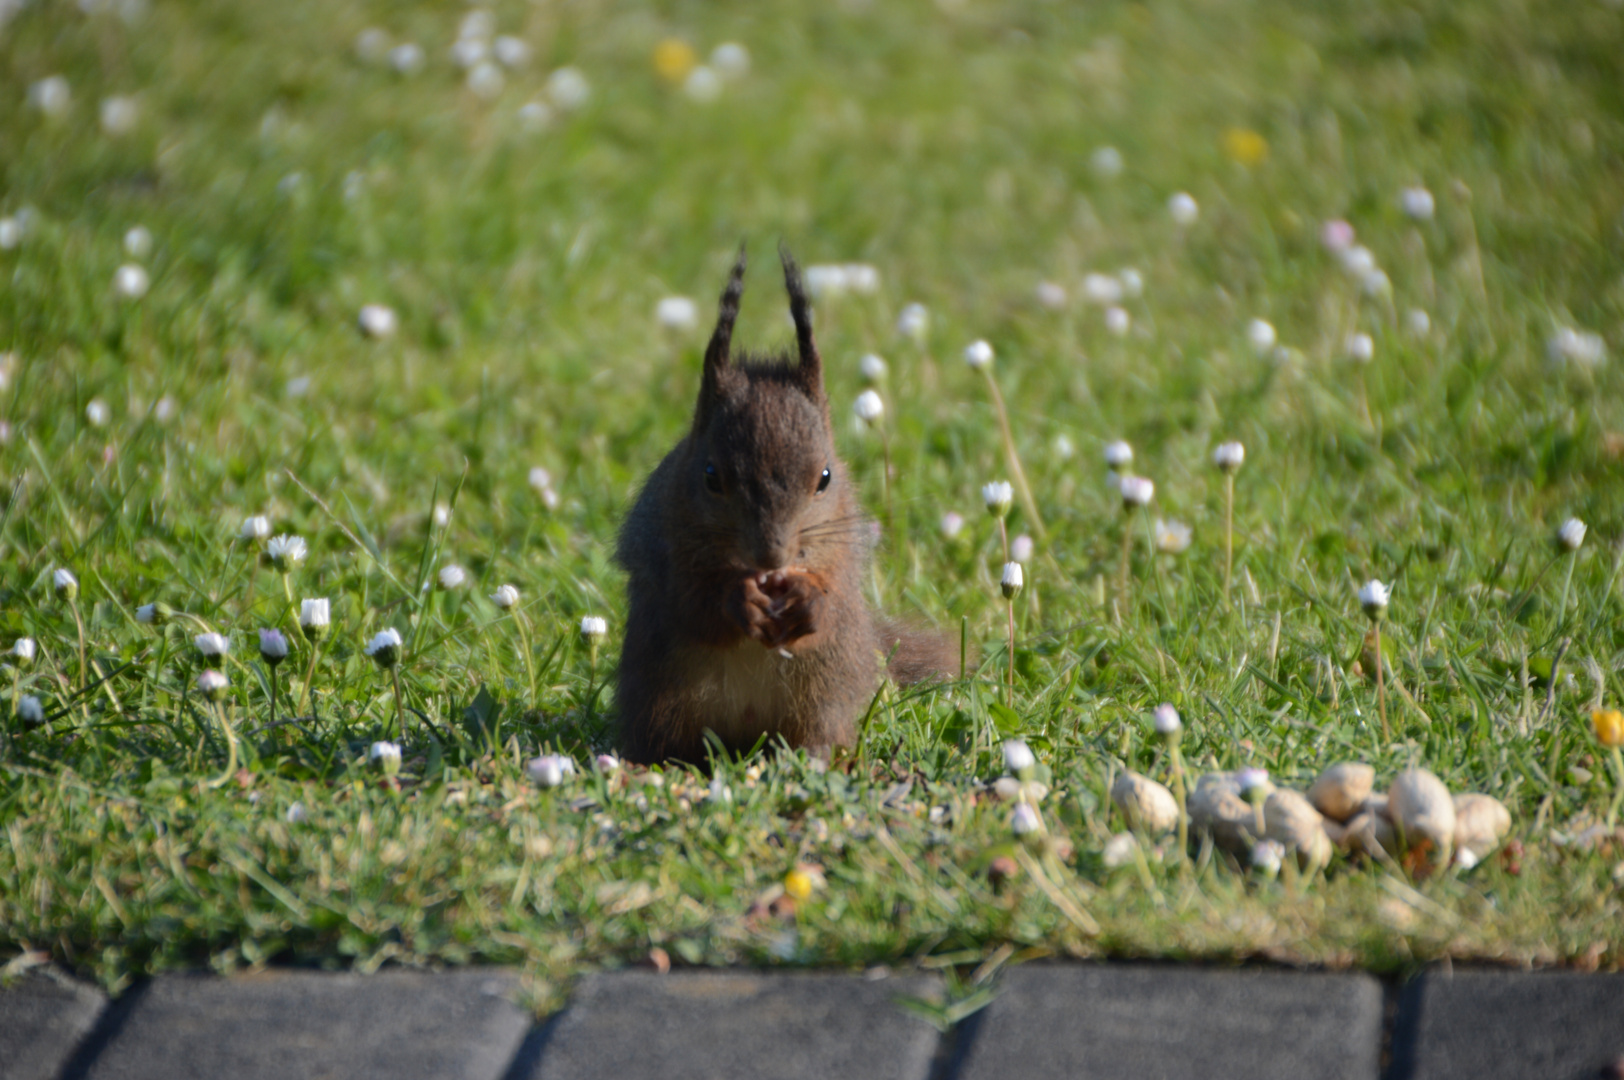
[745,553]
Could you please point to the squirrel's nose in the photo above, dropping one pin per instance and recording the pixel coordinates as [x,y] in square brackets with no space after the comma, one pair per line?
[773,552]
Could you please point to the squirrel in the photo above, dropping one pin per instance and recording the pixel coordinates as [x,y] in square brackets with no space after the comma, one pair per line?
[745,554]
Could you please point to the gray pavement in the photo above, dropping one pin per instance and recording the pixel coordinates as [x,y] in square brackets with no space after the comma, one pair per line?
[1047,1021]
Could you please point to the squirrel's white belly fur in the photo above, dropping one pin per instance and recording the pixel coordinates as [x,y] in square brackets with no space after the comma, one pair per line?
[745,688]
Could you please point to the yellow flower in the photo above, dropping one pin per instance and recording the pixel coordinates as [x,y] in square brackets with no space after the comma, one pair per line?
[674,59]
[1609,724]
[798,884]
[1245,145]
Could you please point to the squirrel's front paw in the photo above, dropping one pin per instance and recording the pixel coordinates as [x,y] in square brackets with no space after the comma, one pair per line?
[795,601]
[752,610]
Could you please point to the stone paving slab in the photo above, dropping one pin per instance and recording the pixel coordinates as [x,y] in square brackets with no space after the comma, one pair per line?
[43,1019]
[1082,1021]
[738,1025]
[400,1025]
[1492,1024]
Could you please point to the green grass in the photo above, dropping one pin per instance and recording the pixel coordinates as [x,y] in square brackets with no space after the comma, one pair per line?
[950,147]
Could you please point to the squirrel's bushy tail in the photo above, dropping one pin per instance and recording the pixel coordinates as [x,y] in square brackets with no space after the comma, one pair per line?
[918,654]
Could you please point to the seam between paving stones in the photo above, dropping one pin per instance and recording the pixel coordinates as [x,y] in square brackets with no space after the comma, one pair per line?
[106,1029]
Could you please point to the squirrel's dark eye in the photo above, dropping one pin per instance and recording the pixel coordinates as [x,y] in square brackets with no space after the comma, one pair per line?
[823,481]
[713,479]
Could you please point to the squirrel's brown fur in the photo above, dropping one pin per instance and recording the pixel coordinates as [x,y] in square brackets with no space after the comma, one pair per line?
[746,553]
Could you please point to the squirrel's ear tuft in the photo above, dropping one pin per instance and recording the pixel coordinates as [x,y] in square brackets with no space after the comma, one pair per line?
[811,365]
[717,353]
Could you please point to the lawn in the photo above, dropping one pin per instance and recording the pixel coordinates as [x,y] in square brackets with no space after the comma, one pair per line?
[1424,204]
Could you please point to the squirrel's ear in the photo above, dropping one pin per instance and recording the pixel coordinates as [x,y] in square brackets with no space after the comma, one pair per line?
[811,368]
[717,352]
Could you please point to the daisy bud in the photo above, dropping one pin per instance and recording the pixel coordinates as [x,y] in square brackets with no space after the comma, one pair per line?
[273,647]
[1165,719]
[1102,289]
[541,479]
[952,524]
[607,763]
[1361,348]
[384,648]
[505,597]
[378,321]
[1018,756]
[1376,283]
[285,552]
[1051,295]
[1229,456]
[914,323]
[568,88]
[869,407]
[1133,283]
[154,614]
[1373,597]
[30,711]
[296,814]
[872,367]
[1254,784]
[372,44]
[1357,261]
[1117,320]
[1106,162]
[314,617]
[1063,447]
[1183,209]
[594,628]
[702,85]
[213,685]
[452,576]
[97,412]
[406,59]
[999,496]
[978,354]
[1020,549]
[1571,535]
[1012,580]
[212,646]
[1172,537]
[1260,333]
[131,281]
[1137,491]
[64,583]
[138,242]
[1337,236]
[24,650]
[1417,203]
[549,770]
[511,52]
[1024,821]
[257,528]
[51,95]
[535,115]
[1120,850]
[677,313]
[1418,322]
[385,757]
[1118,455]
[731,60]
[1266,857]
